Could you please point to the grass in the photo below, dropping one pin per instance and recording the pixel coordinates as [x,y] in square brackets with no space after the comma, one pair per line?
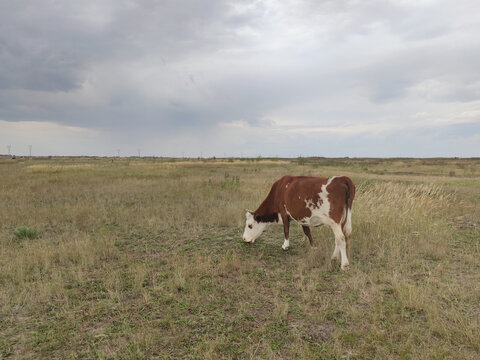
[143,258]
[24,232]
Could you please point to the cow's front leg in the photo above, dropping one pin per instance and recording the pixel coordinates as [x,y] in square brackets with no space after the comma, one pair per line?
[307,232]
[286,230]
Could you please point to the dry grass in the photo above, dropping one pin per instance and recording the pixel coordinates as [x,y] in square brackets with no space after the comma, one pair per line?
[141,259]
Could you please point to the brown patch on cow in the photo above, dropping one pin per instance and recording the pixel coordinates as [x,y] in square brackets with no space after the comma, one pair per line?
[303,190]
[268,209]
[341,192]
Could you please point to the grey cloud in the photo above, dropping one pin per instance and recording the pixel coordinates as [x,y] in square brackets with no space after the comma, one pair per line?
[50,47]
[391,78]
[174,65]
[461,130]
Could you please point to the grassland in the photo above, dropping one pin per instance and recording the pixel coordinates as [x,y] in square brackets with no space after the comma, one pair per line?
[143,258]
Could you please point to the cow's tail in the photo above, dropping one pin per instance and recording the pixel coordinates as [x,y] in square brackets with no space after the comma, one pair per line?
[349,196]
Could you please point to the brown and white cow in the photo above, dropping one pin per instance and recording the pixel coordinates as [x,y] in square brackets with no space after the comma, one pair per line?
[310,201]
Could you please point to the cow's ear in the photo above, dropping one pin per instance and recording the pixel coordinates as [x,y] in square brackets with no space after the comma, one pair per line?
[249,211]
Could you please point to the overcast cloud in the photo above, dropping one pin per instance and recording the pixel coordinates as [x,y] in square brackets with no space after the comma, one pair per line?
[215,77]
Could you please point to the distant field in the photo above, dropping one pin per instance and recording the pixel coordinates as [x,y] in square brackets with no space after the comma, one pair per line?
[143,258]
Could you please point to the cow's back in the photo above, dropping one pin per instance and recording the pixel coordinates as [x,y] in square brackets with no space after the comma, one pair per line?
[301,191]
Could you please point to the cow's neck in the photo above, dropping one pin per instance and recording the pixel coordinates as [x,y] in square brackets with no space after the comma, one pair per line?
[265,213]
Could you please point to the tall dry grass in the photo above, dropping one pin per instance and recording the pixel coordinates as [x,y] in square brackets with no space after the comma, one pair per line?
[143,259]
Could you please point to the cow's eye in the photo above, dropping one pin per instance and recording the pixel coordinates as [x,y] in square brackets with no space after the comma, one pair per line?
[250,226]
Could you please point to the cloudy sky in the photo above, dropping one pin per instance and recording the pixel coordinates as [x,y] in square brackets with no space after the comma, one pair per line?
[215,77]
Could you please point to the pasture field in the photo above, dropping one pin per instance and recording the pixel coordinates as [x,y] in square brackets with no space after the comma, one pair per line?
[143,259]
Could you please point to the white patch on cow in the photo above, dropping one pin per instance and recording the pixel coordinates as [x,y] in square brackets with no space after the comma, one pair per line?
[253,228]
[280,221]
[320,211]
[286,244]
[310,204]
[286,186]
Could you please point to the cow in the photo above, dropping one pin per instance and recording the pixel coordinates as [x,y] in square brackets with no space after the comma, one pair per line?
[310,201]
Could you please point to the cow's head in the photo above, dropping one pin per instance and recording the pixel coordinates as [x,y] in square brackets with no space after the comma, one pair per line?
[253,228]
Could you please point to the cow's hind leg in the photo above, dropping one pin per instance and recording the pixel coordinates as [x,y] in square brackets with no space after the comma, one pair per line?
[336,253]
[347,230]
[347,247]
[340,245]
[307,232]
[286,230]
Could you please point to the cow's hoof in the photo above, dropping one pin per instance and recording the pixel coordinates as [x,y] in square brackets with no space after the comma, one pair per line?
[345,267]
[285,248]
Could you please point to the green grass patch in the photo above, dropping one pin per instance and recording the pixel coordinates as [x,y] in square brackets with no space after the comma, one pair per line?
[24,232]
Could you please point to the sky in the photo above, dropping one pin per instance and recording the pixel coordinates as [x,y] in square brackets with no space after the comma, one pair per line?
[220,78]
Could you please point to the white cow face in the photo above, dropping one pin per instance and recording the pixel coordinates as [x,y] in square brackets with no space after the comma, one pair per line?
[253,228]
